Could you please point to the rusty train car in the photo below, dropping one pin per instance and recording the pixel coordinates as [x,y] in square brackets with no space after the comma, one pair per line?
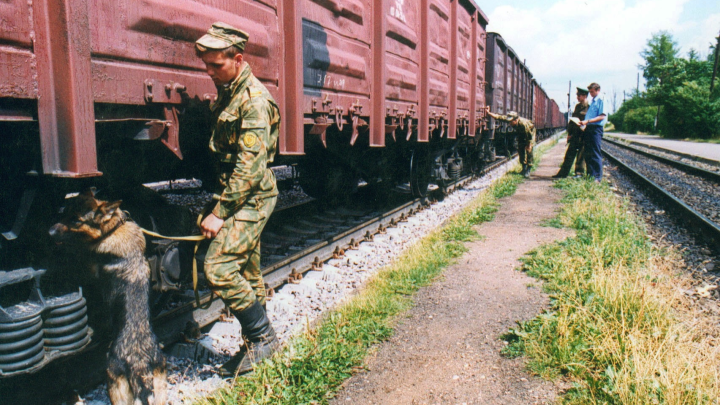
[540,107]
[511,87]
[546,115]
[110,93]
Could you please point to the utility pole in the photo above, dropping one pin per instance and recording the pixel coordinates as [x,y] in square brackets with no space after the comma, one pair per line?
[623,96]
[569,91]
[638,84]
[715,68]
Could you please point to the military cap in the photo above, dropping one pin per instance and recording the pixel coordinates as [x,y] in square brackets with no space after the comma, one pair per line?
[582,90]
[512,115]
[221,36]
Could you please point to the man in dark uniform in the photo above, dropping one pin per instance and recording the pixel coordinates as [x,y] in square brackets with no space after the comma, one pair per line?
[525,130]
[246,123]
[575,138]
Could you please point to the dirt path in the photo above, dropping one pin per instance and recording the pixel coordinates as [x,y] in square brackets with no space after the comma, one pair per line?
[446,350]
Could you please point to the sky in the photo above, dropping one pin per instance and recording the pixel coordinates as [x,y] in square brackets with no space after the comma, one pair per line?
[586,41]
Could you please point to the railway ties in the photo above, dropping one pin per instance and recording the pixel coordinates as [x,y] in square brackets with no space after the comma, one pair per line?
[691,192]
[298,239]
[329,240]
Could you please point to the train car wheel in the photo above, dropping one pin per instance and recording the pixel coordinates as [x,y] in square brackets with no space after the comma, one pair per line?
[332,185]
[420,172]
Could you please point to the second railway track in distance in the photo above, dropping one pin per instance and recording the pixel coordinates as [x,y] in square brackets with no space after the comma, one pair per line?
[692,192]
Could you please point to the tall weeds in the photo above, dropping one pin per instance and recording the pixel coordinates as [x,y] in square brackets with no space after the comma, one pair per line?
[618,329]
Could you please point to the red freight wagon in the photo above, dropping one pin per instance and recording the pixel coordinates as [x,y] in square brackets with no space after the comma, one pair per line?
[525,92]
[426,56]
[360,71]
[560,121]
[495,69]
[111,93]
[511,87]
[540,107]
[547,116]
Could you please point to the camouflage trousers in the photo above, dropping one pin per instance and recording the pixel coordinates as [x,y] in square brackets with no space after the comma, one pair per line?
[232,263]
[525,151]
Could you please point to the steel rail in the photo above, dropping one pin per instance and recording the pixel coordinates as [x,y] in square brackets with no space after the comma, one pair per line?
[168,326]
[706,174]
[709,228]
[88,370]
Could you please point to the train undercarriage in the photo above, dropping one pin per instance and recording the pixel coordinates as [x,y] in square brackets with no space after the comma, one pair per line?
[39,272]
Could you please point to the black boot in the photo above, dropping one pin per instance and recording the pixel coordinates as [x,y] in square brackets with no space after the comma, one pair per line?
[526,171]
[260,341]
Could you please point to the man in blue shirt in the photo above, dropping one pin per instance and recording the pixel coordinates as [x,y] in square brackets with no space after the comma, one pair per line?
[595,120]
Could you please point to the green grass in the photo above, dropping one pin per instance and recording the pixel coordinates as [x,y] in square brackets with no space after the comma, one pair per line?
[313,365]
[615,329]
[552,223]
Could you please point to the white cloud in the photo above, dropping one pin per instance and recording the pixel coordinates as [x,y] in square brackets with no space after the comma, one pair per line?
[587,40]
[702,35]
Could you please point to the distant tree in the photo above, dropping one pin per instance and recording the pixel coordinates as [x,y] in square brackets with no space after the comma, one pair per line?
[689,112]
[635,102]
[661,49]
[678,93]
[641,119]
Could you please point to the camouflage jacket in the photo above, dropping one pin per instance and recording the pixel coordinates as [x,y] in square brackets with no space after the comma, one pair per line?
[525,129]
[579,112]
[244,140]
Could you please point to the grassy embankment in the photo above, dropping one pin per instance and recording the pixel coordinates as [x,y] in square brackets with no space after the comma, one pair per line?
[619,330]
[312,367]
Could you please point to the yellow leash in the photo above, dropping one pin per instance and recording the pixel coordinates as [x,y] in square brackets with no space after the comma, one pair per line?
[194,238]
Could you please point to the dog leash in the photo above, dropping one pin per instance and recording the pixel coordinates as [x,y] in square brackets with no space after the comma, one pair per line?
[193,238]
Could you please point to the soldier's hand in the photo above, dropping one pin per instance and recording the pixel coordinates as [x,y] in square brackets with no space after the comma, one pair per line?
[211,225]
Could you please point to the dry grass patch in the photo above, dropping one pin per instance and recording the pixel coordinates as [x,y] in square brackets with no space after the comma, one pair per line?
[620,329]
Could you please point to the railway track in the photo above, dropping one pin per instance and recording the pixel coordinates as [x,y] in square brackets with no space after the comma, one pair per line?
[306,245]
[676,163]
[688,191]
[326,234]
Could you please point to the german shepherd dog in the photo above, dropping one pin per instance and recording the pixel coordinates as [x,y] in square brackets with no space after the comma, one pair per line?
[136,366]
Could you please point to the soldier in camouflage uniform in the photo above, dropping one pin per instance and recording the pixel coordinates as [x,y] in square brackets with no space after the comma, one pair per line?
[575,138]
[244,141]
[525,130]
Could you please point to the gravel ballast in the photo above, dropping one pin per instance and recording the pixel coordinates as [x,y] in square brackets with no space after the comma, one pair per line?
[296,305]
